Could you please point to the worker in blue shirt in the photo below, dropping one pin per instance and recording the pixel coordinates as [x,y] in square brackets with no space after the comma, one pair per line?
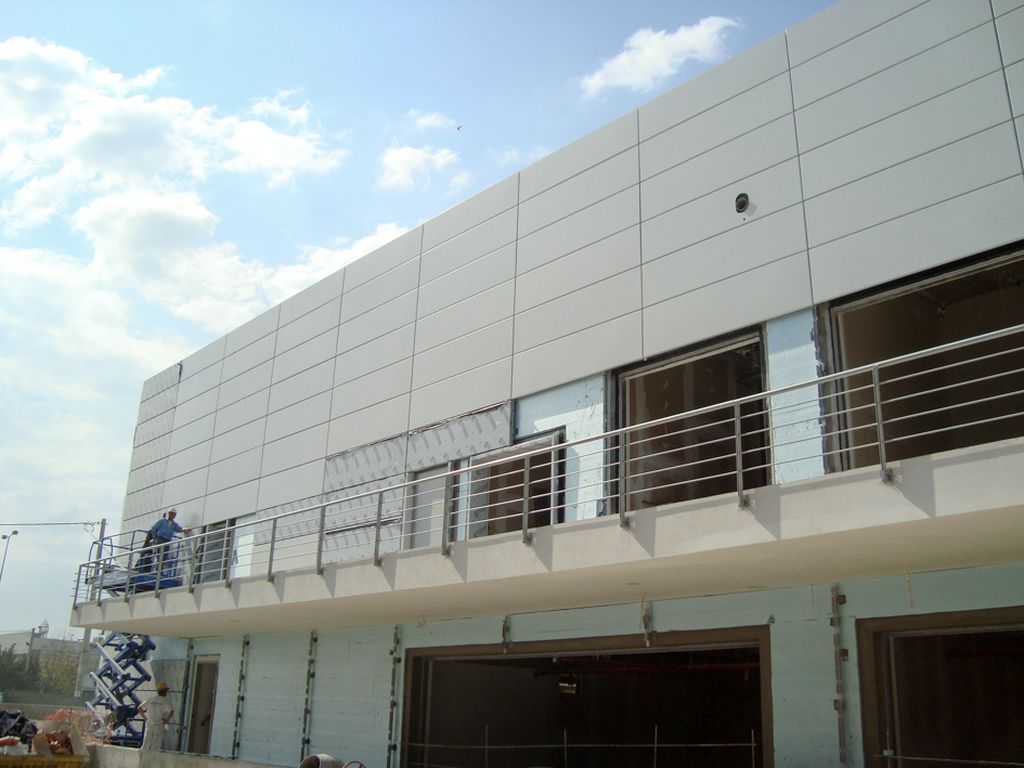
[157,539]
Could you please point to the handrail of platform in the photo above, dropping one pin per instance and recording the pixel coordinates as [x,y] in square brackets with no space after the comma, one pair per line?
[863,416]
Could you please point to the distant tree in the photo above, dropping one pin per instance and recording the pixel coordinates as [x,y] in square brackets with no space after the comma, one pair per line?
[18,672]
[58,668]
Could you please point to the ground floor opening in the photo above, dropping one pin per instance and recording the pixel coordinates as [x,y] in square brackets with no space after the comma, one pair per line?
[595,703]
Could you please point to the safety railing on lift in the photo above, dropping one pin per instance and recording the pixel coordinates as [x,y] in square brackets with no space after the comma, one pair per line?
[950,396]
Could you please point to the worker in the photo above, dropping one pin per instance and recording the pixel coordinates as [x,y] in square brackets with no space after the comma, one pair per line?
[160,535]
[158,713]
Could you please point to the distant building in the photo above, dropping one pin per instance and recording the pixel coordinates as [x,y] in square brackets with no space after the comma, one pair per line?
[699,441]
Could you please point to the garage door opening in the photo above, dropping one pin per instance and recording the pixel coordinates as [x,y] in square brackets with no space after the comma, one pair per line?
[694,706]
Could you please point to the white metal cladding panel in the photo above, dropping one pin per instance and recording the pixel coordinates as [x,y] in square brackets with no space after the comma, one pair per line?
[234,470]
[858,57]
[199,406]
[305,355]
[726,80]
[723,122]
[155,427]
[757,242]
[298,482]
[231,502]
[351,694]
[374,355]
[578,269]
[310,382]
[479,310]
[928,74]
[1005,6]
[242,412]
[585,153]
[944,173]
[727,163]
[204,381]
[388,256]
[308,326]
[275,691]
[769,191]
[1011,36]
[970,223]
[142,502]
[203,358]
[371,325]
[248,357]
[147,475]
[375,387]
[958,113]
[465,353]
[192,433]
[161,381]
[157,404]
[245,384]
[1015,84]
[572,357]
[302,415]
[189,459]
[600,220]
[488,236]
[184,488]
[147,453]
[255,329]
[581,309]
[466,392]
[468,214]
[586,188]
[312,297]
[466,281]
[769,291]
[838,23]
[295,449]
[373,293]
[238,440]
[460,438]
[373,423]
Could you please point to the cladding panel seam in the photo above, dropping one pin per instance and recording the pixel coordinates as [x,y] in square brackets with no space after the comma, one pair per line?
[1006,84]
[577,174]
[480,223]
[1014,175]
[918,156]
[862,33]
[895,64]
[412,365]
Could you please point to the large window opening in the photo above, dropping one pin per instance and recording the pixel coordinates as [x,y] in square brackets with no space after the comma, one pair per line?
[939,402]
[695,455]
[698,706]
[943,689]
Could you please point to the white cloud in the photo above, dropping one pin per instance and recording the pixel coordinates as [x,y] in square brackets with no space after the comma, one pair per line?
[71,128]
[430,120]
[276,107]
[459,182]
[513,156]
[649,56]
[405,167]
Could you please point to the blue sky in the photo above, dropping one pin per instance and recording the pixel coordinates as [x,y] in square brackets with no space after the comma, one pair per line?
[168,170]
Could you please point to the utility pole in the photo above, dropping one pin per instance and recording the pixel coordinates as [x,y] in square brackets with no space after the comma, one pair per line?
[83,657]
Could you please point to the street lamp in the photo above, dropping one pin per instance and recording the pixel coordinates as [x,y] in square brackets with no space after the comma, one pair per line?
[6,538]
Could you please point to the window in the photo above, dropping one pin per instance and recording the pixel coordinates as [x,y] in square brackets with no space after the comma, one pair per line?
[496,502]
[425,506]
[954,399]
[692,456]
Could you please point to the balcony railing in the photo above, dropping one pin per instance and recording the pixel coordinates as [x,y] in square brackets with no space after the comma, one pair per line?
[954,395]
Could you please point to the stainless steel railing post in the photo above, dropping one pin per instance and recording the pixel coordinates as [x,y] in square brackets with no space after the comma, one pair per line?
[741,498]
[376,529]
[273,543]
[320,535]
[527,537]
[876,393]
[447,515]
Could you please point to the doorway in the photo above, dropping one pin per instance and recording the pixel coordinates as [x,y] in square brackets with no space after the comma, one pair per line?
[204,696]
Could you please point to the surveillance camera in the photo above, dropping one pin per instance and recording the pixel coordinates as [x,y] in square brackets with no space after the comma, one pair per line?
[742,202]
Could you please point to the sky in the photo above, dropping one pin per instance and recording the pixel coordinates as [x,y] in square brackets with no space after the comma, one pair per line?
[170,169]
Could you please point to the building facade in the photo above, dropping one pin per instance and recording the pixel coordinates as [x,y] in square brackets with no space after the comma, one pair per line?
[699,440]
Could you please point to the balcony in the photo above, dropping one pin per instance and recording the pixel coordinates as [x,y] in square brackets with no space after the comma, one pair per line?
[909,464]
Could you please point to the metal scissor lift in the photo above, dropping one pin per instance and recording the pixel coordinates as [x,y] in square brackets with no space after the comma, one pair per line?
[120,675]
